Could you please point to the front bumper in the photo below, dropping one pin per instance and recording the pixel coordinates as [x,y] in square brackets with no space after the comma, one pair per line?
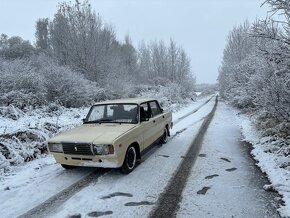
[103,161]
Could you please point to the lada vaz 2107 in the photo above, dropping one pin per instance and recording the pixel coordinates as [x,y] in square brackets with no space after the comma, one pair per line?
[113,135]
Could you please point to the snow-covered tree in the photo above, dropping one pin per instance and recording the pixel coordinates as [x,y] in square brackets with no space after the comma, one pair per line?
[255,71]
[168,63]
[42,34]
[15,47]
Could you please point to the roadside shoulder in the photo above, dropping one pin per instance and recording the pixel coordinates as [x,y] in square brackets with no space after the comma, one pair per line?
[270,154]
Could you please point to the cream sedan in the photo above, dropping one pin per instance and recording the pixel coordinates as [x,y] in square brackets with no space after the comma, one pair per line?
[113,135]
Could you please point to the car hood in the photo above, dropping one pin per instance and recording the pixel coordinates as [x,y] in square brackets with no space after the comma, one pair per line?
[89,133]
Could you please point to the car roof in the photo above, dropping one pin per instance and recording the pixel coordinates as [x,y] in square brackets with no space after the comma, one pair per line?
[127,100]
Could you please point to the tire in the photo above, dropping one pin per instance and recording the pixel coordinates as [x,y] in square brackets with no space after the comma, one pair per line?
[130,160]
[164,137]
[68,167]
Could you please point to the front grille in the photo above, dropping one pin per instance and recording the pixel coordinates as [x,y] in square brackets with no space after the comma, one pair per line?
[77,148]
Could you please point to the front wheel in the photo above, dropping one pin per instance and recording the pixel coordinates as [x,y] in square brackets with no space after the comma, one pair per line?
[130,160]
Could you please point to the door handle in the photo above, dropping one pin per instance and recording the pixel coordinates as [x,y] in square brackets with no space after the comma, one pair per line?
[163,116]
[154,121]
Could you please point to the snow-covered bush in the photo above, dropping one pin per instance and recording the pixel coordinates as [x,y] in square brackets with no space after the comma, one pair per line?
[40,81]
[26,138]
[11,112]
[255,75]
[20,84]
[169,96]
[63,85]
[23,145]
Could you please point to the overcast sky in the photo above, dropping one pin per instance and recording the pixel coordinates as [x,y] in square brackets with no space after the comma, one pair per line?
[199,26]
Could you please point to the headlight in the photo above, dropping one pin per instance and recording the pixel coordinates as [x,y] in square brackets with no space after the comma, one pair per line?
[55,147]
[103,149]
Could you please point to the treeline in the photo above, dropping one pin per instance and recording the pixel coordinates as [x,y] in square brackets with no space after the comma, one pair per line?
[255,70]
[77,59]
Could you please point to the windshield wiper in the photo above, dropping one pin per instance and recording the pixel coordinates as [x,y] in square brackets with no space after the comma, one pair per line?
[86,122]
[99,121]
[105,120]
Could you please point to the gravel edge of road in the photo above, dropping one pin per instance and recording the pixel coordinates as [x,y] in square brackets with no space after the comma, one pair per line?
[168,202]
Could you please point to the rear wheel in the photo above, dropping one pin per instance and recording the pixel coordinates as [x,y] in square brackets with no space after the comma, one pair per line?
[130,160]
[164,137]
[67,167]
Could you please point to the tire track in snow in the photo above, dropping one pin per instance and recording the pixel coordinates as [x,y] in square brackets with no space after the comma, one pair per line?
[193,111]
[57,200]
[168,202]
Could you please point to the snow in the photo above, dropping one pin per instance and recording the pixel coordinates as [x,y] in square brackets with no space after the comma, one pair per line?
[225,173]
[43,178]
[269,162]
[33,182]
[38,117]
[189,108]
[223,182]
[25,137]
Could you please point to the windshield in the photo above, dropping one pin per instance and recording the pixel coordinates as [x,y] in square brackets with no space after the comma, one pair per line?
[113,113]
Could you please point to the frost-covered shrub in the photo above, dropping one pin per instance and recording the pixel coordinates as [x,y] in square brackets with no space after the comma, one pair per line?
[162,81]
[169,96]
[40,81]
[242,101]
[22,99]
[11,112]
[51,127]
[53,107]
[26,138]
[23,146]
[20,84]
[63,85]
[108,92]
[4,164]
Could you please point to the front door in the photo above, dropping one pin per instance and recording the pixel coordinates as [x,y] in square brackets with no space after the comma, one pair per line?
[147,125]
[158,120]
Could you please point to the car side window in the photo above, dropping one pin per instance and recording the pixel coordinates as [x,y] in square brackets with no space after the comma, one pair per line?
[155,109]
[144,111]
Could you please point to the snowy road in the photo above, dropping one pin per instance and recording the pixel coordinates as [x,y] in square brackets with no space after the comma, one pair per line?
[225,182]
[222,182]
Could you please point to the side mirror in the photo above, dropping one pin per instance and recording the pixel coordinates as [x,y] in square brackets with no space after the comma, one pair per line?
[84,120]
[161,110]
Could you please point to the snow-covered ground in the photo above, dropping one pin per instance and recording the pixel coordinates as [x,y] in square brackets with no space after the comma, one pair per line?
[224,181]
[44,178]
